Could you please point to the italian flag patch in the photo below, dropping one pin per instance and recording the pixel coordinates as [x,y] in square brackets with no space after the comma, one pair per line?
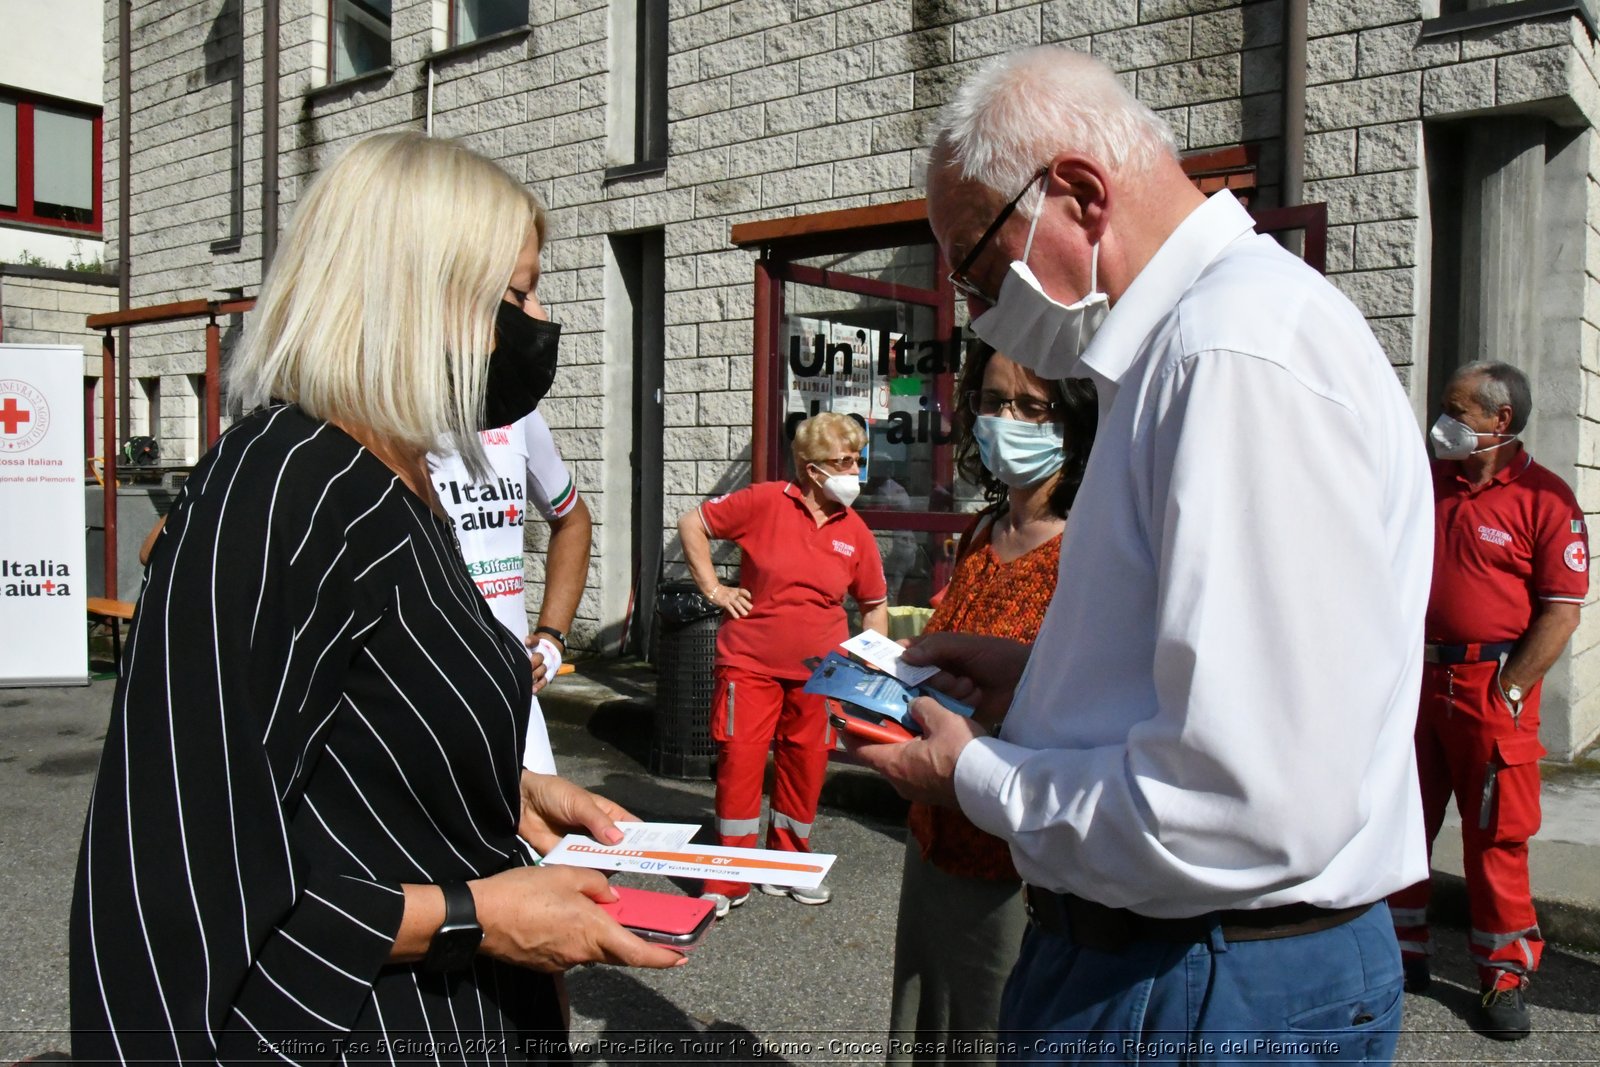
[564,500]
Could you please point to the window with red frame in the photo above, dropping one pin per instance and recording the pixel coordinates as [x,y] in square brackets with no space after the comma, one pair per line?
[49,163]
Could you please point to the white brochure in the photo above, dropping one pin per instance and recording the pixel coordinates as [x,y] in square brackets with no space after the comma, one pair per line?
[655,848]
[656,834]
[884,654]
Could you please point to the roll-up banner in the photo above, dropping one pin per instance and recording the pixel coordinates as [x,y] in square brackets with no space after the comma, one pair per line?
[42,607]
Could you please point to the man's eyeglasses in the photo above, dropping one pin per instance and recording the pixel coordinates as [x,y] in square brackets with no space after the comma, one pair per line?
[1027,408]
[958,277]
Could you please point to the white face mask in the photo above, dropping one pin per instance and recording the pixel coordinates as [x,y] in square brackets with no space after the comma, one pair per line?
[843,488]
[1035,330]
[1454,439]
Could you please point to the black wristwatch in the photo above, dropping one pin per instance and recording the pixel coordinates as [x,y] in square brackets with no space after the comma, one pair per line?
[456,942]
[561,638]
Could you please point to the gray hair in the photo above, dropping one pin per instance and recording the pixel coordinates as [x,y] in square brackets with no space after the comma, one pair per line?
[1500,385]
[1020,110]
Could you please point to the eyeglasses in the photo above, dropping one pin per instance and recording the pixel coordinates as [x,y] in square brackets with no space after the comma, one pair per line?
[845,463]
[1027,408]
[958,277]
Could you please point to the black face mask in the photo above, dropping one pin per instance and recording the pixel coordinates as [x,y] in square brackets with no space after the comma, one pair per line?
[522,365]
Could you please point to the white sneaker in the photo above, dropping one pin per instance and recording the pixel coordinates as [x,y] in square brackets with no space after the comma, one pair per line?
[817,895]
[724,903]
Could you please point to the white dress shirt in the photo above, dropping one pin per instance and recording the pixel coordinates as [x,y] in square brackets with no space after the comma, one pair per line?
[1219,710]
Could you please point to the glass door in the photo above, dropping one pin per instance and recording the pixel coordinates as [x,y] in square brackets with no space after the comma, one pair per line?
[871,334]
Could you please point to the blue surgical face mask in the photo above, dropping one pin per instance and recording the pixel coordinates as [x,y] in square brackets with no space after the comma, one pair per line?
[1020,454]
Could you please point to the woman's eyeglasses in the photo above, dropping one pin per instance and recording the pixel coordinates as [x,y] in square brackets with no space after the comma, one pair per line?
[1026,408]
[843,463]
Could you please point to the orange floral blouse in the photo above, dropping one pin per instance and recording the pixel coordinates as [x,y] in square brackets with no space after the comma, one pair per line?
[996,599]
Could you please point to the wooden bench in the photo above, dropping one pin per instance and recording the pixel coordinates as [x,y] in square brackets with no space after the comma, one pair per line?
[112,613]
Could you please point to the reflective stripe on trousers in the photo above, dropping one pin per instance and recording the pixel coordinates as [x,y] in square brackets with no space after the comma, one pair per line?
[1484,945]
[780,821]
[738,827]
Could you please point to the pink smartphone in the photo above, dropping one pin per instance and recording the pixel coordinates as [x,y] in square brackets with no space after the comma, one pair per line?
[664,918]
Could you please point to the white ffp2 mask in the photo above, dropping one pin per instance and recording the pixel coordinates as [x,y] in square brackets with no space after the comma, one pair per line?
[843,488]
[1454,439]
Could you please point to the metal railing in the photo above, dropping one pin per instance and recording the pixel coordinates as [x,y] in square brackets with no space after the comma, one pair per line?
[182,311]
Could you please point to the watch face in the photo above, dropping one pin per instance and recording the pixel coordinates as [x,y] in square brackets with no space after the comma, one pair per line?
[454,946]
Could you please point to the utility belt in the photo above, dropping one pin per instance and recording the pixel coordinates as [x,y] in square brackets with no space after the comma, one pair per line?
[1450,655]
[1105,929]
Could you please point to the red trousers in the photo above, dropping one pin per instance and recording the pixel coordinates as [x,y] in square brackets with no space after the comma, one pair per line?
[748,712]
[1468,744]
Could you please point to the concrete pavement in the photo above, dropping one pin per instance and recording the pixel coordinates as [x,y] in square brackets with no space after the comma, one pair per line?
[775,982]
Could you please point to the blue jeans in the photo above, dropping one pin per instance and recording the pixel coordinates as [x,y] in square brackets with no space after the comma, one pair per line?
[1329,997]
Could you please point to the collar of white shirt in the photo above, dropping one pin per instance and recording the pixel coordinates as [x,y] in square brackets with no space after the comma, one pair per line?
[1156,289]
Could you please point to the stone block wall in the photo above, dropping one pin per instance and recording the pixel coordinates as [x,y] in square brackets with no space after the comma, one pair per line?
[776,107]
[1373,86]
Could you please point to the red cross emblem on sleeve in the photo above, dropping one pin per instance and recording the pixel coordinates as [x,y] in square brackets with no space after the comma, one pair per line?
[1576,557]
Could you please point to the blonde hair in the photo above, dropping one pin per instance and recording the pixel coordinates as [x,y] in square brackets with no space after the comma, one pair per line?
[823,435]
[379,308]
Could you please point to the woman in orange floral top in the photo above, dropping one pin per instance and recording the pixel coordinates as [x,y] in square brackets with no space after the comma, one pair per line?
[1025,441]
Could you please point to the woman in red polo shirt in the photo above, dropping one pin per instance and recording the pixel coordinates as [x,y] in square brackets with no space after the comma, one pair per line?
[802,549]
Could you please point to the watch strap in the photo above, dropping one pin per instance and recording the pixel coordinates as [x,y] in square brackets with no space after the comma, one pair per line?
[457,939]
[459,907]
[561,638]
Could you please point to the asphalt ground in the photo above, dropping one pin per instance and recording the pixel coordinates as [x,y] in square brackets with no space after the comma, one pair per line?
[776,982]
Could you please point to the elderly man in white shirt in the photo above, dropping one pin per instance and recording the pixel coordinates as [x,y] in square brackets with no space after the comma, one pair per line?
[1205,774]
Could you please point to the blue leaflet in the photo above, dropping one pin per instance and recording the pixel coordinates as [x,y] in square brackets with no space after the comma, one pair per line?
[880,695]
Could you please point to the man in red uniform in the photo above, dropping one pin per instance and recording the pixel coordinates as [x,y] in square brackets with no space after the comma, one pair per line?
[1510,573]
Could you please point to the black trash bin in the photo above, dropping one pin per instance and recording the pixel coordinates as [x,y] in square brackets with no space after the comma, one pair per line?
[685,659]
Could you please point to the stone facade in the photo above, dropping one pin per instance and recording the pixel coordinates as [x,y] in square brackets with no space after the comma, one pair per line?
[47,307]
[1378,94]
[785,107]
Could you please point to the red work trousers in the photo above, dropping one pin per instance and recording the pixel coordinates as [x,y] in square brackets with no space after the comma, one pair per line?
[1468,744]
[748,712]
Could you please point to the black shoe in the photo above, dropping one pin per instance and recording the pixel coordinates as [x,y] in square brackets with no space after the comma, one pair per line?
[1418,978]
[1503,1014]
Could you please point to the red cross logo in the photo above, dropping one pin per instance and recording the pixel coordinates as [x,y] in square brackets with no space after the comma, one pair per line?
[512,513]
[49,586]
[1576,557]
[13,417]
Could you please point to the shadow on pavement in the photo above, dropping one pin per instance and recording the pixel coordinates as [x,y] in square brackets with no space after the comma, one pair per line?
[636,1024]
[1562,983]
[626,726]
